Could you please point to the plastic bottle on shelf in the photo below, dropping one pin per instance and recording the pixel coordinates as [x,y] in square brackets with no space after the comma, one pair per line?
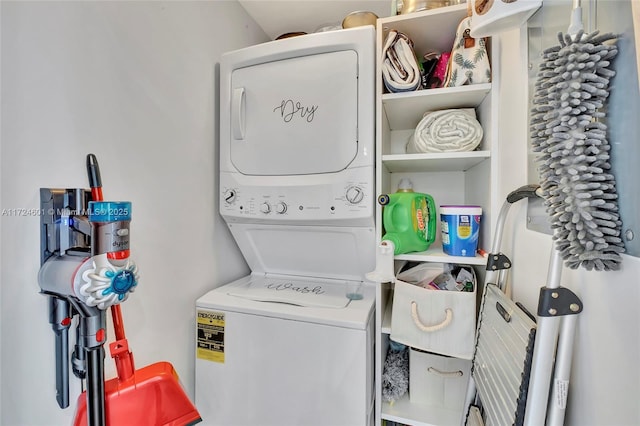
[409,219]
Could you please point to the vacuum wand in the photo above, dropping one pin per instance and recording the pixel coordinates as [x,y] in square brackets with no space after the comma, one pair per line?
[95,387]
[92,335]
[60,320]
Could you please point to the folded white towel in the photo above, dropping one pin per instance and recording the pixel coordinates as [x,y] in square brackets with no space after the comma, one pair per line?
[400,69]
[449,130]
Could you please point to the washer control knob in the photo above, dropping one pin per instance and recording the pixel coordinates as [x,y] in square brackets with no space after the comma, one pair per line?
[230,196]
[354,194]
[265,208]
[281,207]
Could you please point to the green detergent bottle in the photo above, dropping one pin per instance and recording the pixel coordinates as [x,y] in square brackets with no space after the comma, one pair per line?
[409,219]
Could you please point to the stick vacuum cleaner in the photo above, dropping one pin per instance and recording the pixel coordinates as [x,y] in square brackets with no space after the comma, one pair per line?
[85,269]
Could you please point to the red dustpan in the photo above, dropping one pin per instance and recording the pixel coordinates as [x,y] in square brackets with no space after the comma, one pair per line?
[150,396]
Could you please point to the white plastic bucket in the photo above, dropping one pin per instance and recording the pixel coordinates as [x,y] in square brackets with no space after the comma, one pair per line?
[460,227]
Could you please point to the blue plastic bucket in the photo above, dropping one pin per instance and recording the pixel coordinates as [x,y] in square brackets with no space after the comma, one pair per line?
[460,227]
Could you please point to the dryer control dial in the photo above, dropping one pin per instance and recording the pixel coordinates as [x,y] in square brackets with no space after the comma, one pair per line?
[281,207]
[265,208]
[354,194]
[230,196]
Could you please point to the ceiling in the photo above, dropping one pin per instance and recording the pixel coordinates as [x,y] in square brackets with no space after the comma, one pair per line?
[277,17]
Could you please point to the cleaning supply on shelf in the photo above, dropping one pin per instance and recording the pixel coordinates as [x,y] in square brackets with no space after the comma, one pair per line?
[570,138]
[410,224]
[460,227]
[408,218]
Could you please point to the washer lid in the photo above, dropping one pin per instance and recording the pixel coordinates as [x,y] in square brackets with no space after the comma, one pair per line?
[243,296]
[308,293]
[295,116]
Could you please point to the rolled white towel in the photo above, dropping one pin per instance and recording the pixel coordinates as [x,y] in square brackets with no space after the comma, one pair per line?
[448,130]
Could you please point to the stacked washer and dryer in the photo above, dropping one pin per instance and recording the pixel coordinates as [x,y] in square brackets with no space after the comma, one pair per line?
[286,345]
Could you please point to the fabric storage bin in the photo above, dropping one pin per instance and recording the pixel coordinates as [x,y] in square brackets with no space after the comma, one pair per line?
[438,380]
[437,321]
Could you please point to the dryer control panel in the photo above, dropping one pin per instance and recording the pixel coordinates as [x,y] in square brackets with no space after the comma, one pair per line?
[297,198]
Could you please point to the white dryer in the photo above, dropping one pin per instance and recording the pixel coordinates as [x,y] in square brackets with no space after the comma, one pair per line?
[285,345]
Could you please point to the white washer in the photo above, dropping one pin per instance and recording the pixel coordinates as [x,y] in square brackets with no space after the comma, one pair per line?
[280,364]
[284,345]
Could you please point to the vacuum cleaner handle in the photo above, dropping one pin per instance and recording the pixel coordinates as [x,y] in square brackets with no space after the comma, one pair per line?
[95,182]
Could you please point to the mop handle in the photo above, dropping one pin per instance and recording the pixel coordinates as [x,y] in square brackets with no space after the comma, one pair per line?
[95,182]
[118,325]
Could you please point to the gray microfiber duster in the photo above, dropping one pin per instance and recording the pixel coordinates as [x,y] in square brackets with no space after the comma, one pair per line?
[395,374]
[573,151]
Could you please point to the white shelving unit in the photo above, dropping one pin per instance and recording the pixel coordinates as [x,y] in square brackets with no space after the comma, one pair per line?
[450,178]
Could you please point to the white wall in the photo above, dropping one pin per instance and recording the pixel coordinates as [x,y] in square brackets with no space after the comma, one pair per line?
[134,83]
[605,386]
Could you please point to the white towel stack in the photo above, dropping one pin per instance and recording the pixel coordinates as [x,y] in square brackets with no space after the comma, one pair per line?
[449,130]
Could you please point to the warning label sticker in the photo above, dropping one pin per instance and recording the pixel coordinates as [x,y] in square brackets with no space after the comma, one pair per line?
[210,336]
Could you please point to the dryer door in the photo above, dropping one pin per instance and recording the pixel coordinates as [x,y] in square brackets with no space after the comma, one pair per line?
[295,116]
